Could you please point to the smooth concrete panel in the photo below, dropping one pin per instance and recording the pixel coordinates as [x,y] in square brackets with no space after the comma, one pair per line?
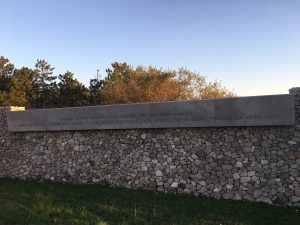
[272,110]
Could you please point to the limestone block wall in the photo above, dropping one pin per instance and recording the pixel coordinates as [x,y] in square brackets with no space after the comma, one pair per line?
[251,163]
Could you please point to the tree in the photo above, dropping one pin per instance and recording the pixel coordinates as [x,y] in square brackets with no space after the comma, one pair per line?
[38,88]
[6,70]
[71,91]
[96,93]
[22,87]
[196,86]
[125,84]
[43,83]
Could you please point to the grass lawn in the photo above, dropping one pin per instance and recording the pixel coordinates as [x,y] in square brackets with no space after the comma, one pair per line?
[39,203]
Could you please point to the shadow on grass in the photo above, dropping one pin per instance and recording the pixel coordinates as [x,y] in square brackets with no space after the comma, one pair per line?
[30,202]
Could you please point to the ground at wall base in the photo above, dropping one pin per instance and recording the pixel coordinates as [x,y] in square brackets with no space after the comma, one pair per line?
[35,203]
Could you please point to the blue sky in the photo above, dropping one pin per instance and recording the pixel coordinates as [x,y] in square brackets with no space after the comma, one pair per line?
[252,46]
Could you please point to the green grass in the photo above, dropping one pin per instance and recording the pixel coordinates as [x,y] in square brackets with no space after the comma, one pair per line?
[39,203]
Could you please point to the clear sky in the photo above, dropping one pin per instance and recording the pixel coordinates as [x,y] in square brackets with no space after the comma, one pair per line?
[252,46]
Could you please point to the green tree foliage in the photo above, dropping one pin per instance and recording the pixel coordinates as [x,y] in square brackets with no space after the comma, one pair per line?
[22,87]
[6,70]
[71,91]
[39,88]
[43,84]
[96,93]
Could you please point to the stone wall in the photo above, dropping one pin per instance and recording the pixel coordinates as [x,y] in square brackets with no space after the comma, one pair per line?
[251,163]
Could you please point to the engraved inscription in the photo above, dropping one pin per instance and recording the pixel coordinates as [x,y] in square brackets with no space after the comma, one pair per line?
[146,118]
[247,111]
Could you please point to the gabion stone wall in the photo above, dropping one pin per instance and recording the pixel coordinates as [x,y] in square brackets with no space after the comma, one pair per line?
[251,163]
